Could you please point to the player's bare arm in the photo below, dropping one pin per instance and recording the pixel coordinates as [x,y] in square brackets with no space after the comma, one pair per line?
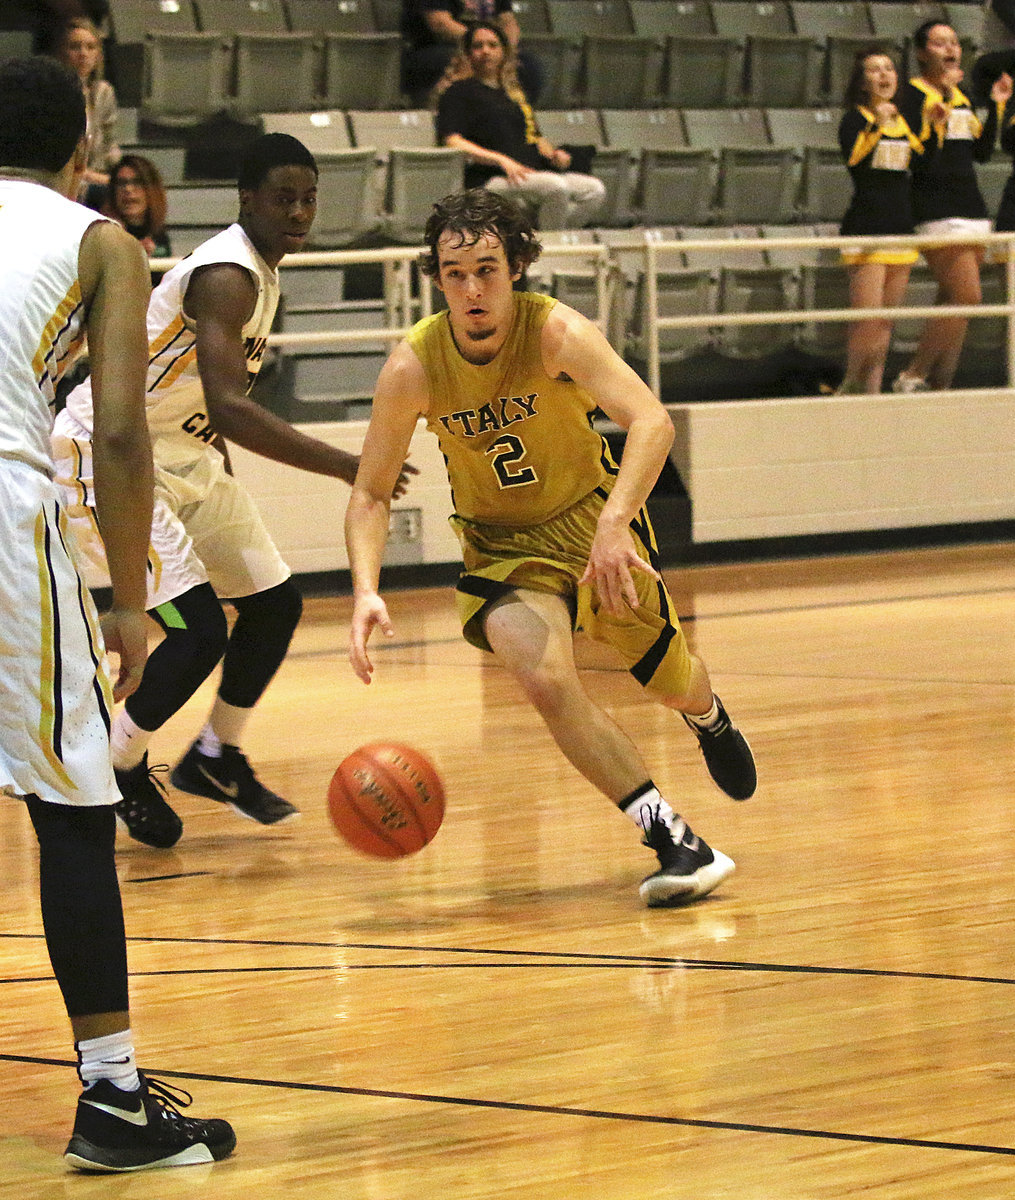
[220,300]
[573,346]
[115,284]
[400,399]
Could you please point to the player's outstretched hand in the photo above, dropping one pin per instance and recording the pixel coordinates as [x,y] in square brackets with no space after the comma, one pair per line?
[125,633]
[405,475]
[369,610]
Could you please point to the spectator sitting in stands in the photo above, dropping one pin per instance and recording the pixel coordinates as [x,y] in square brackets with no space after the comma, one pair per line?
[80,48]
[434,28]
[137,199]
[482,110]
[877,146]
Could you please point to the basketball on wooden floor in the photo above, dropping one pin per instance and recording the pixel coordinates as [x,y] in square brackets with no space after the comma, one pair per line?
[386,800]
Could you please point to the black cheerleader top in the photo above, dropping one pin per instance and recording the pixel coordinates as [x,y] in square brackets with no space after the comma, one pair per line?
[944,182]
[879,159]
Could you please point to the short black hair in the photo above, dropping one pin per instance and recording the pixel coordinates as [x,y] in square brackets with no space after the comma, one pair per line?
[268,151]
[922,32]
[42,114]
[472,213]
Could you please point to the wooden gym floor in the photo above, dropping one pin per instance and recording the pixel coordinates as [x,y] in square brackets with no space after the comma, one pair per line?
[498,1016]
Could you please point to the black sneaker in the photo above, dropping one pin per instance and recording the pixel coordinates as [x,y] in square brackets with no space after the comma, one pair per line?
[688,869]
[231,780]
[727,756]
[135,1131]
[143,811]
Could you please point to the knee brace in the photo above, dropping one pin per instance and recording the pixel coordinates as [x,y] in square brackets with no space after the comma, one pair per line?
[196,633]
[264,627]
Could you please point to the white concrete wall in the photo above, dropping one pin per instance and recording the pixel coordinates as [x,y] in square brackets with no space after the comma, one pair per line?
[753,468]
[831,464]
[305,513]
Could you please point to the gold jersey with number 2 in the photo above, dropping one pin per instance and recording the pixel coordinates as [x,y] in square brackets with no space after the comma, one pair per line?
[519,445]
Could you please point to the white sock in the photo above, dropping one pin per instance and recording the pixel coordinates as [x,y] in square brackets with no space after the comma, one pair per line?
[648,806]
[109,1057]
[127,742]
[225,727]
[706,720]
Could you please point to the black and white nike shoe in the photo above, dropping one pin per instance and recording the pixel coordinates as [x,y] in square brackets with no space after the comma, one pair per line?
[231,780]
[137,1131]
[688,868]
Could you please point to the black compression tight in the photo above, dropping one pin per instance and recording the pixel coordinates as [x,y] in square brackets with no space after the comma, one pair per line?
[81,911]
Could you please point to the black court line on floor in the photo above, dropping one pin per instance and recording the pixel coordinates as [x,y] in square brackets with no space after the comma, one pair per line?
[564,958]
[553,1109]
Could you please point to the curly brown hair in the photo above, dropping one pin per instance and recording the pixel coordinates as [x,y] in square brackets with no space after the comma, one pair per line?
[472,213]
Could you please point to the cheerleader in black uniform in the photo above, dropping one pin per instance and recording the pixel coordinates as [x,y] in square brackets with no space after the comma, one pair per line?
[946,196]
[877,146]
[1005,222]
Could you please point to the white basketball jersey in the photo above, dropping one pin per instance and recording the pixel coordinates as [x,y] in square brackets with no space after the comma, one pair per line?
[41,313]
[177,415]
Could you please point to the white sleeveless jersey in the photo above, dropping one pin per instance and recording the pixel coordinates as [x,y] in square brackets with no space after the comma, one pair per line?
[41,313]
[177,415]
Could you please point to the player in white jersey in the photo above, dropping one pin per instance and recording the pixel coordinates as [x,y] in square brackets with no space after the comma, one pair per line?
[208,322]
[65,272]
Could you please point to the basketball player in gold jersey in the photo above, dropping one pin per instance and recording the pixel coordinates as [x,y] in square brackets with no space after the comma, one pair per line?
[555,536]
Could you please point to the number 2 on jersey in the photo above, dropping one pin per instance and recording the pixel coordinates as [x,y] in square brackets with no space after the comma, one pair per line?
[507,451]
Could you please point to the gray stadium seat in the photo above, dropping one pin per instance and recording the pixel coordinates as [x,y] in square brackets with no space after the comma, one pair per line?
[133,20]
[412,128]
[416,179]
[362,70]
[804,127]
[823,285]
[754,260]
[347,207]
[318,131]
[782,70]
[663,18]
[275,72]
[559,58]
[716,128]
[620,70]
[825,185]
[330,16]
[675,187]
[757,185]
[210,206]
[644,129]
[679,294]
[186,76]
[571,127]
[576,18]
[740,18]
[742,290]
[241,16]
[613,168]
[967,21]
[793,259]
[533,16]
[701,71]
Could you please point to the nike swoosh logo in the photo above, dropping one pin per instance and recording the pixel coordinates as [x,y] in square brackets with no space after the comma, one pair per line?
[693,844]
[232,790]
[124,1114]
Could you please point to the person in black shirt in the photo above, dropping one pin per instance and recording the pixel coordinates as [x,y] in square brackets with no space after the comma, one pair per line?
[877,146]
[433,29]
[946,196]
[483,111]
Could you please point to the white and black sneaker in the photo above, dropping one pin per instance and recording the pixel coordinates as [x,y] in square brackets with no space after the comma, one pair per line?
[688,868]
[230,779]
[727,755]
[144,811]
[137,1131]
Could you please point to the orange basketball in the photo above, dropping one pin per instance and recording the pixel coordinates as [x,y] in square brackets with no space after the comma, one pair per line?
[386,800]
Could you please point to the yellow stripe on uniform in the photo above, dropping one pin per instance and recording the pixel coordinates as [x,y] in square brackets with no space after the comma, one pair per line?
[165,337]
[53,327]
[47,657]
[178,367]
